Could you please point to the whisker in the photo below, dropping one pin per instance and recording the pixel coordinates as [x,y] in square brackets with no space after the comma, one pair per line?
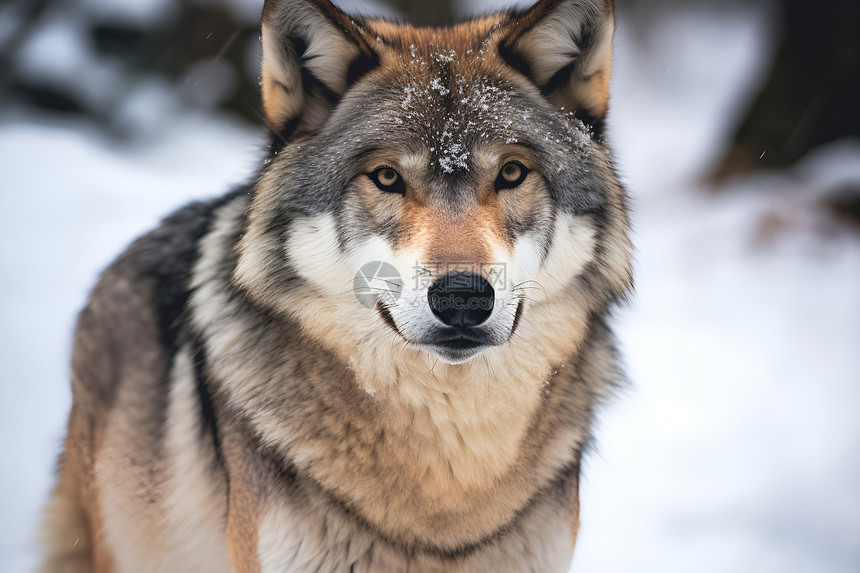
[433,366]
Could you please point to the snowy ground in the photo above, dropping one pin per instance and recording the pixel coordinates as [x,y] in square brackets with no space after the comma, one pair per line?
[737,447]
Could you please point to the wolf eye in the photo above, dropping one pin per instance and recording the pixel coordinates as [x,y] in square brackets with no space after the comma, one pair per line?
[512,174]
[388,180]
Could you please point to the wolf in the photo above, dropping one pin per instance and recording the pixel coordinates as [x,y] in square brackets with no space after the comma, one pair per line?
[252,393]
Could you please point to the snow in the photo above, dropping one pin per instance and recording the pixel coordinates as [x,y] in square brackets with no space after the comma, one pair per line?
[738,440]
[449,113]
[736,446]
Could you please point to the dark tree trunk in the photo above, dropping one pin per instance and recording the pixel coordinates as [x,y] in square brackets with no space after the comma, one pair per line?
[426,11]
[812,94]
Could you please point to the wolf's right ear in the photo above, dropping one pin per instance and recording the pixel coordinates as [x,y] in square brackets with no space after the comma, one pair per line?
[565,48]
[312,52]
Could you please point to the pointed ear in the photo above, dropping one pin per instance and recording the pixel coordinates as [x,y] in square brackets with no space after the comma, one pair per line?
[565,48]
[312,53]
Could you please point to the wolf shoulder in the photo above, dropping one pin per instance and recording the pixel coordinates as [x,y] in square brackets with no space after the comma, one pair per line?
[133,319]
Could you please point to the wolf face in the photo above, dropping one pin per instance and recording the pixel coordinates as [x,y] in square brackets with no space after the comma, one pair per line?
[468,158]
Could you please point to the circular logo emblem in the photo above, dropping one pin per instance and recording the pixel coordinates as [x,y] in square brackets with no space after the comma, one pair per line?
[377,281]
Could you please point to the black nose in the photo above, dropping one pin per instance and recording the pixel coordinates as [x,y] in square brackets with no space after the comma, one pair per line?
[461,299]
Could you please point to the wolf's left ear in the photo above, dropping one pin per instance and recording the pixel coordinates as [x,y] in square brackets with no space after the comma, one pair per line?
[565,48]
[312,52]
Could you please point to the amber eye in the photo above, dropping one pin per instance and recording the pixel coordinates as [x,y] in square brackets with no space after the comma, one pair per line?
[387,177]
[512,174]
[388,180]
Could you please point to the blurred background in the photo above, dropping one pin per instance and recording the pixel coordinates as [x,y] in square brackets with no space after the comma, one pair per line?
[736,127]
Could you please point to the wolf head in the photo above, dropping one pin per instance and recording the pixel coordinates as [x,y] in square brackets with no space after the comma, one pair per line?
[453,178]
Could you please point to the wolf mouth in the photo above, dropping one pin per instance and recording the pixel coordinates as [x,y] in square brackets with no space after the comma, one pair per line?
[463,343]
[463,339]
[456,351]
[455,345]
